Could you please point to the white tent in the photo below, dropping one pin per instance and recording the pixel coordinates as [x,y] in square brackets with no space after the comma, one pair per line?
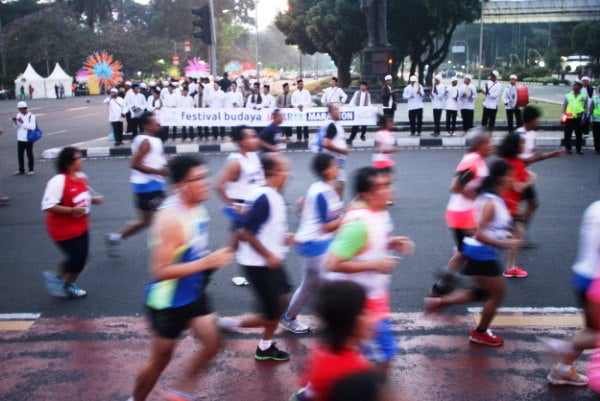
[58,76]
[30,77]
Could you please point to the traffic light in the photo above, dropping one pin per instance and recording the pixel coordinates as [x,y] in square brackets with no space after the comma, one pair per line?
[203,23]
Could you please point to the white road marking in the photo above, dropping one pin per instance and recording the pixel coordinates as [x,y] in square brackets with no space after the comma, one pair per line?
[85,115]
[40,114]
[544,310]
[78,108]
[56,132]
[19,316]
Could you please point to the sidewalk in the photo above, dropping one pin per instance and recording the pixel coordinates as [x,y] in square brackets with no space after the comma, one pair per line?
[102,147]
[59,359]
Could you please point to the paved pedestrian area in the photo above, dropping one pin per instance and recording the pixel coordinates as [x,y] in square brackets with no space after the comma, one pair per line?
[57,359]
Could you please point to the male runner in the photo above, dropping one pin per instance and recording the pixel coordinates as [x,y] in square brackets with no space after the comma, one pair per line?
[176,296]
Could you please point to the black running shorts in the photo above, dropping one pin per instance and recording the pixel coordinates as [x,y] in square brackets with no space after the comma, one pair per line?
[149,201]
[170,323]
[269,285]
[488,268]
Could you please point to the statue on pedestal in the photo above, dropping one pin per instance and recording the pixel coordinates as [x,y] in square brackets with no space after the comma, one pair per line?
[376,14]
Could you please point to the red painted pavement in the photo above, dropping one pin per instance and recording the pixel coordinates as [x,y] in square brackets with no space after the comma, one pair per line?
[62,359]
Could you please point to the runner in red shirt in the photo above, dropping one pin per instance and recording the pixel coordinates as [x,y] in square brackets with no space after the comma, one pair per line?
[341,308]
[67,202]
[510,149]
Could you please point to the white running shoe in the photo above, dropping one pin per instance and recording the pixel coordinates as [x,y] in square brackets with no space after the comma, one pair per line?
[54,285]
[293,326]
[572,378]
[112,245]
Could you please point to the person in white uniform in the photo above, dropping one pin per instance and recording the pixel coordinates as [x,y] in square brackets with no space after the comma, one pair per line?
[116,114]
[467,95]
[413,94]
[361,98]
[187,102]
[492,92]
[216,100]
[509,99]
[333,94]
[452,105]
[302,100]
[438,103]
[24,121]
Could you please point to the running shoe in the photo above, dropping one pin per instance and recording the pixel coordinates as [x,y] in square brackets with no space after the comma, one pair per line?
[73,291]
[4,200]
[271,354]
[485,338]
[300,396]
[515,272]
[293,326]
[54,285]
[433,304]
[112,245]
[572,378]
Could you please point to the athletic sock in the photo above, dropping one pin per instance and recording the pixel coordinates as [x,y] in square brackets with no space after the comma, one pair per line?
[562,368]
[480,331]
[228,323]
[264,345]
[115,236]
[287,318]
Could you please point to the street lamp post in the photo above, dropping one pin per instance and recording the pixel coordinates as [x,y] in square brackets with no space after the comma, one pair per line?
[256,27]
[480,47]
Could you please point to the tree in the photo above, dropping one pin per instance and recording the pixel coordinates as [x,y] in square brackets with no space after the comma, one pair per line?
[427,29]
[92,11]
[584,39]
[335,27]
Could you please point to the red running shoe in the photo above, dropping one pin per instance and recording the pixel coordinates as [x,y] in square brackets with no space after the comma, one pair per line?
[515,272]
[486,338]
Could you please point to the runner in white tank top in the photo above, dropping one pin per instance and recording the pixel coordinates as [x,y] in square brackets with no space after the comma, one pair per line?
[148,171]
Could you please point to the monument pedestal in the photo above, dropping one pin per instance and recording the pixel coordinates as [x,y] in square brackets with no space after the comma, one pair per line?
[375,63]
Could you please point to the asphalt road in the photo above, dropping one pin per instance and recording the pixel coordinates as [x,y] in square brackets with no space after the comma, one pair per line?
[566,186]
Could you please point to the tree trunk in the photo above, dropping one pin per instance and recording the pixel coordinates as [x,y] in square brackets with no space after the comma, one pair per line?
[343,65]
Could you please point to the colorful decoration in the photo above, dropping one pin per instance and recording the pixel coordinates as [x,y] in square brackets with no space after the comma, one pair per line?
[103,67]
[233,66]
[247,66]
[197,68]
[82,76]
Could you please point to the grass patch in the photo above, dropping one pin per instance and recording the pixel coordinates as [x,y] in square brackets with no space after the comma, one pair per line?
[550,111]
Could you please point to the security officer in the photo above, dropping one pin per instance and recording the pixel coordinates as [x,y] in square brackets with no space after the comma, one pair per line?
[574,109]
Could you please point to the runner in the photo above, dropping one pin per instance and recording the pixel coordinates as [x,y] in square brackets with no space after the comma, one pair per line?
[67,202]
[530,155]
[334,143]
[148,171]
[510,150]
[385,144]
[481,253]
[361,251]
[176,296]
[242,175]
[264,242]
[319,219]
[341,307]
[460,215]
[585,270]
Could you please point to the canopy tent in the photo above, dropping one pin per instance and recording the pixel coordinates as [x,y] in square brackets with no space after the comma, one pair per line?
[30,77]
[58,76]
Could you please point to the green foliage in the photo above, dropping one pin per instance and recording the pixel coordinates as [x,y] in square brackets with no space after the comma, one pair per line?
[92,11]
[585,39]
[546,80]
[335,27]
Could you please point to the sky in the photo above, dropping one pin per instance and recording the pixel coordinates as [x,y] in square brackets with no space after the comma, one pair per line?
[267,10]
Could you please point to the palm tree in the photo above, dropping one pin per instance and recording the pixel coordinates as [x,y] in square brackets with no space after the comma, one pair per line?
[93,10]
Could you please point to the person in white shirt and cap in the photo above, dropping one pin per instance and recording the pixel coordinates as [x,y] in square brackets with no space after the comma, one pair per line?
[129,97]
[438,102]
[24,121]
[116,114]
[216,100]
[492,92]
[255,99]
[334,94]
[361,98]
[413,94]
[137,106]
[452,105]
[187,102]
[467,94]
[170,100]
[510,102]
[268,99]
[301,99]
[388,97]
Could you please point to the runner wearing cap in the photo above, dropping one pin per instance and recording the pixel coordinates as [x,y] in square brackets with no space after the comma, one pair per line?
[492,92]
[510,101]
[24,121]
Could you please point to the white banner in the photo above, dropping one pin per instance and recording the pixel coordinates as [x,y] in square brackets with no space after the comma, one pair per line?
[231,117]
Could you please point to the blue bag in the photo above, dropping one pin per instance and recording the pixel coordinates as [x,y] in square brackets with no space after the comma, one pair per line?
[34,134]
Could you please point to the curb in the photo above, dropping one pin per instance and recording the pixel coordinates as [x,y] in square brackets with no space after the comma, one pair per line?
[415,142]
